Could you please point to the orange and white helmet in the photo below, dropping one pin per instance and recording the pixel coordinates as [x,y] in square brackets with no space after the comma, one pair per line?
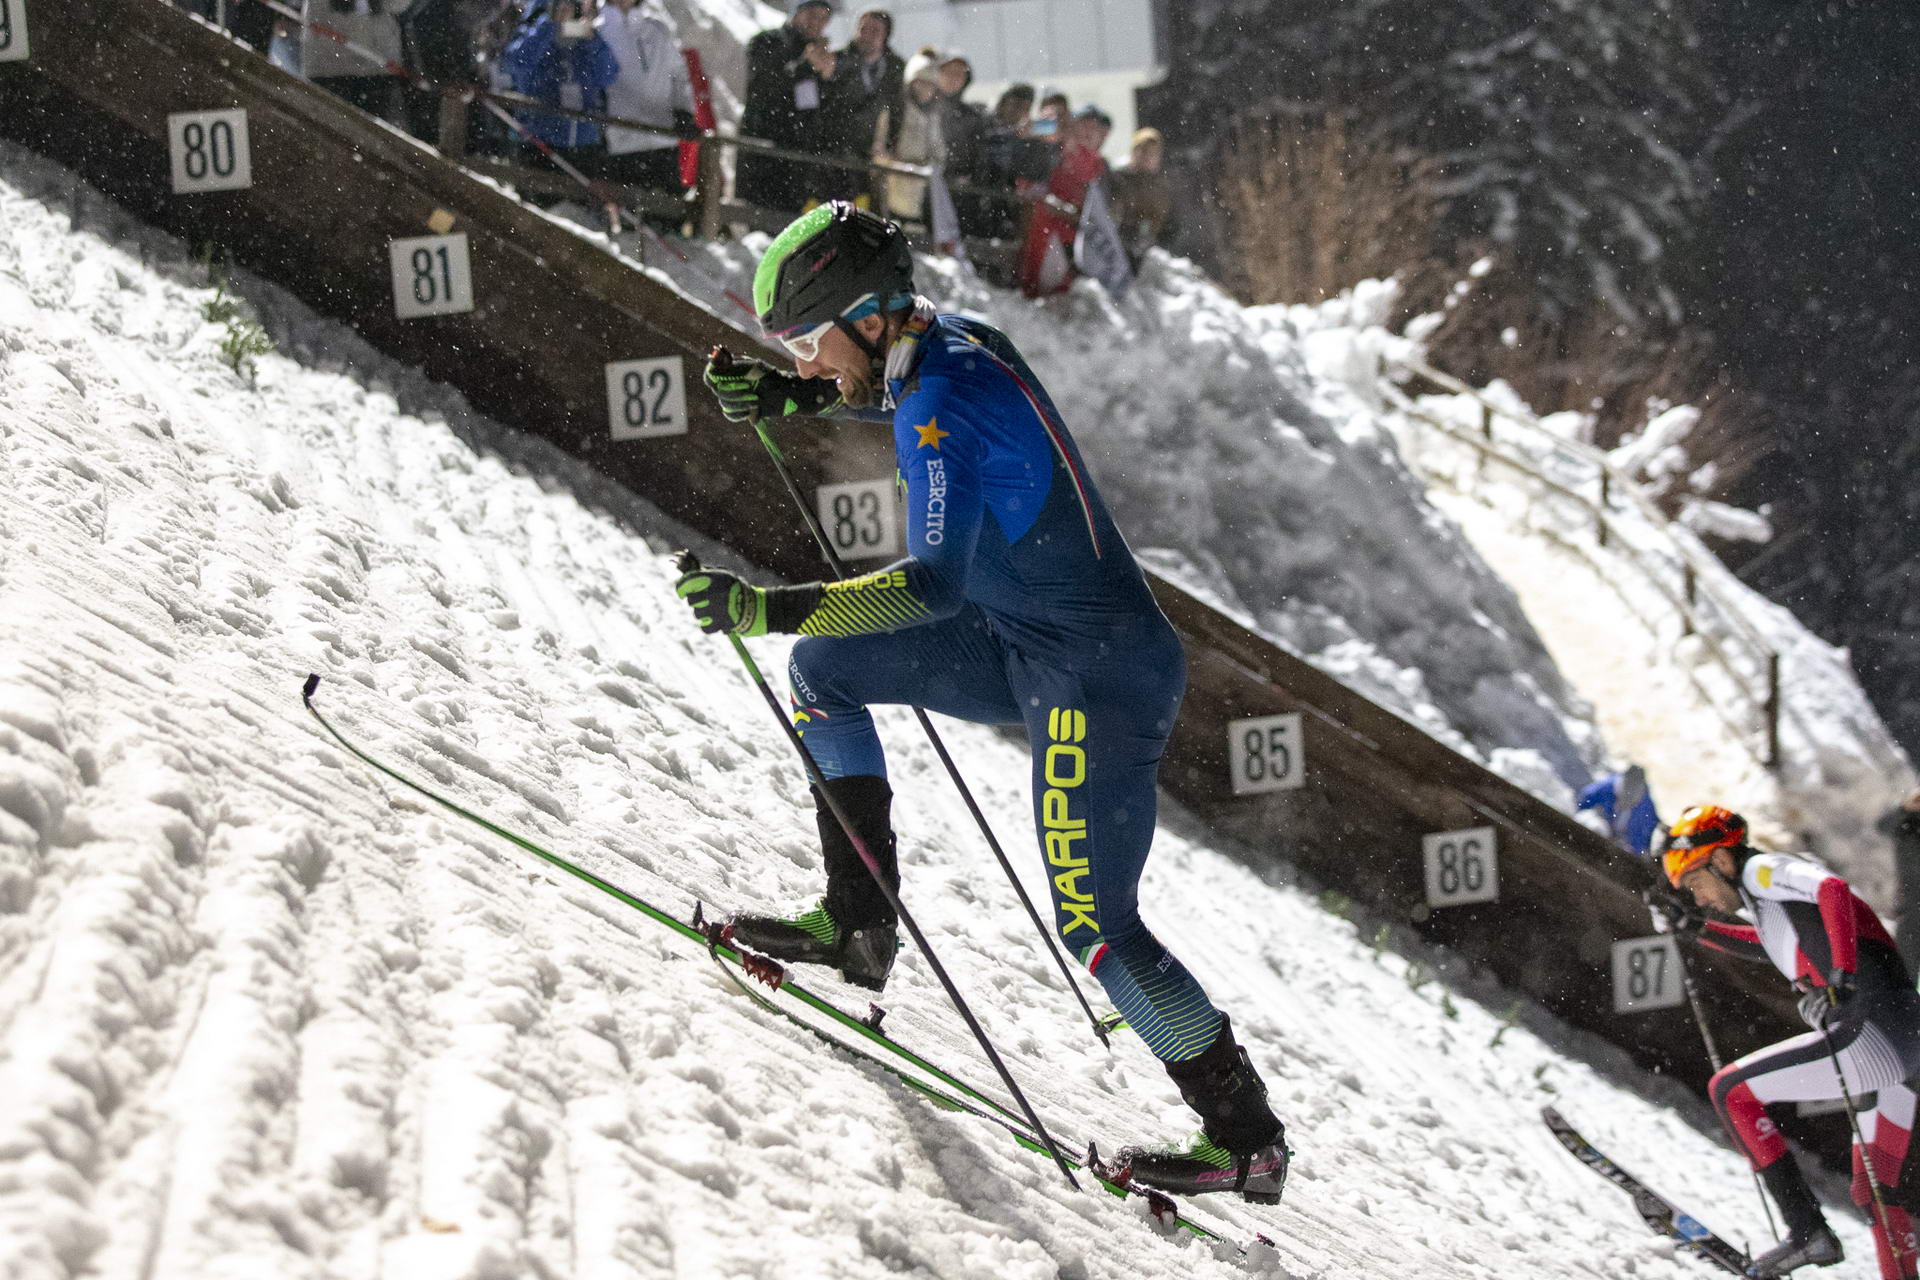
[1692,840]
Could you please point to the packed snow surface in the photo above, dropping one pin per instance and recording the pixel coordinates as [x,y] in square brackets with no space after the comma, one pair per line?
[264,1013]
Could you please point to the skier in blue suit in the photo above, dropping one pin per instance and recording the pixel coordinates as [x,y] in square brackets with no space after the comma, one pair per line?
[1018,603]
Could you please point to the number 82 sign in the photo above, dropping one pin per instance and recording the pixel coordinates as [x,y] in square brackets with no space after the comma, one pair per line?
[13,30]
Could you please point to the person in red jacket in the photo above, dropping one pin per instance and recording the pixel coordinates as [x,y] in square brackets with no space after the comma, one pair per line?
[1857,995]
[1046,263]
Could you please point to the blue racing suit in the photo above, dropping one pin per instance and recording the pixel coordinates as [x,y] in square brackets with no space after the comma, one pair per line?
[1018,602]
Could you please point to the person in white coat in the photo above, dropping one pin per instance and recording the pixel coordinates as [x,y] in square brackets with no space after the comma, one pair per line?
[374,25]
[653,88]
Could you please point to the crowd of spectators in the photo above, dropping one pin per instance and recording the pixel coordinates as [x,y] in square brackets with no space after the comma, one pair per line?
[616,57]
[1016,172]
[1020,172]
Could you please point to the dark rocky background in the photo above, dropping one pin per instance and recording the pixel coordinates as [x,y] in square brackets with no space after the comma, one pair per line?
[1708,201]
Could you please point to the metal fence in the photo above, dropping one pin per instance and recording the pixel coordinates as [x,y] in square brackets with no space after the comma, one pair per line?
[1681,575]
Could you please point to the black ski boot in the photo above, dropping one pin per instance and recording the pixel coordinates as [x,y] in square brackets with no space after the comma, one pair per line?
[1810,1242]
[1241,1146]
[852,929]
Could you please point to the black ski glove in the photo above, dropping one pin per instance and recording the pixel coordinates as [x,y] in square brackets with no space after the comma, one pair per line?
[1822,1007]
[749,389]
[723,603]
[1678,915]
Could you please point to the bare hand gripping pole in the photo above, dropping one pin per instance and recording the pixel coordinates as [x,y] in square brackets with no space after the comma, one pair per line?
[689,564]
[723,359]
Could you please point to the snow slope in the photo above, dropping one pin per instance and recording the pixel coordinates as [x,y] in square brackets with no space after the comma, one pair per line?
[1839,767]
[262,1013]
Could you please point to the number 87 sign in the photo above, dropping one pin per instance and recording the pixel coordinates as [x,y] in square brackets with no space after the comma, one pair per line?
[1646,974]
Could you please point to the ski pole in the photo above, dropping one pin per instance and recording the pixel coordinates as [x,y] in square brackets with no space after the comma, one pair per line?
[1866,1153]
[689,563]
[1687,985]
[723,360]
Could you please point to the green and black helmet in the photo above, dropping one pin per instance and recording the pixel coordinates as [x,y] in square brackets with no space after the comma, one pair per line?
[832,265]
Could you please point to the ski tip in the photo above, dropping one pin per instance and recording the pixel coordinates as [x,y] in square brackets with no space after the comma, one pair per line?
[306,690]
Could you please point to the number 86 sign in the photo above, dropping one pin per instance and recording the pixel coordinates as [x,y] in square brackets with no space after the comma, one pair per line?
[1462,867]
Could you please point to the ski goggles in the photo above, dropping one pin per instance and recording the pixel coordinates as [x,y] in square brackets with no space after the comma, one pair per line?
[805,344]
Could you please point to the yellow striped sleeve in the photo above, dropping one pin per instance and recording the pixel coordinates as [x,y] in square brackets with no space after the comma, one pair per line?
[865,605]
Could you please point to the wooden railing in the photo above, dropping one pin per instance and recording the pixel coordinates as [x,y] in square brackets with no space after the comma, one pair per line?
[1681,577]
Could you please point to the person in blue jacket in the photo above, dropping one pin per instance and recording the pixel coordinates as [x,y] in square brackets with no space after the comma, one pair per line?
[1018,603]
[557,57]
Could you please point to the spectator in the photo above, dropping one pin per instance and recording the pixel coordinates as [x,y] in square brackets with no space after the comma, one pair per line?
[437,47]
[788,72]
[348,75]
[254,23]
[491,36]
[919,138]
[1046,263]
[1051,122]
[869,88]
[1010,159]
[963,124]
[653,88]
[1142,198]
[560,59]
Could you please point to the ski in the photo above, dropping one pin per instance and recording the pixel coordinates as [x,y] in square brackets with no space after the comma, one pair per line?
[735,963]
[1655,1209]
[937,1086]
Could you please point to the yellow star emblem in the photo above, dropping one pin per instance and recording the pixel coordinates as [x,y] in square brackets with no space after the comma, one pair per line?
[931,434]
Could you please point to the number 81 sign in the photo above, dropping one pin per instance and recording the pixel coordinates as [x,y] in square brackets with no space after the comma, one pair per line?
[432,276]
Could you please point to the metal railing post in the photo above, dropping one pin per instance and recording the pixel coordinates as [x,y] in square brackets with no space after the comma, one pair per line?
[453,124]
[711,187]
[1773,709]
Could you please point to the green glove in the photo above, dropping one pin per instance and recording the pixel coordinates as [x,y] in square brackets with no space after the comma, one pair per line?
[723,603]
[748,389]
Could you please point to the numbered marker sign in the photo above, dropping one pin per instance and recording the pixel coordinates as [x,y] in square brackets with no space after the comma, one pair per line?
[861,519]
[13,30]
[432,276]
[1462,867]
[647,398]
[1264,754]
[211,150]
[1646,974]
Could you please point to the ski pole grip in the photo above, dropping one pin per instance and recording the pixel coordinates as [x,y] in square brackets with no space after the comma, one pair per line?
[686,562]
[722,359]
